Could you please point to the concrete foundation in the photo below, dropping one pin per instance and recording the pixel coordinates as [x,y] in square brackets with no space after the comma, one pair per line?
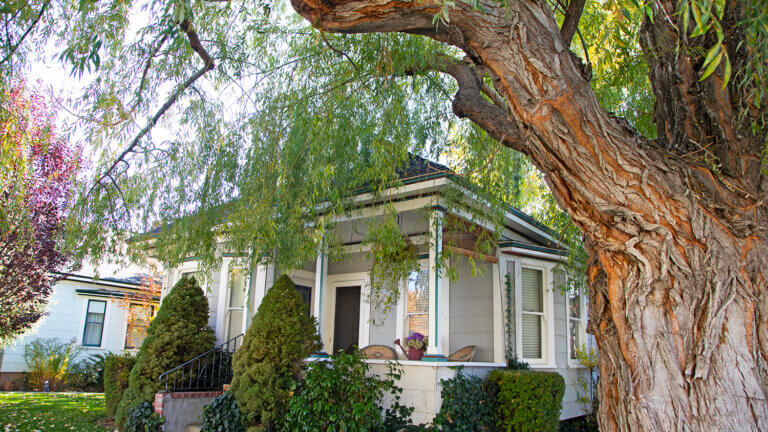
[182,409]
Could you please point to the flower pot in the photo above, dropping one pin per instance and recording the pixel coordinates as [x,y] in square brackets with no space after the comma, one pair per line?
[415,354]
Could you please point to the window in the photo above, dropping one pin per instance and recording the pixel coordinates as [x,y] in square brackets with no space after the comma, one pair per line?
[139,317]
[418,302]
[575,323]
[94,323]
[306,295]
[236,306]
[532,313]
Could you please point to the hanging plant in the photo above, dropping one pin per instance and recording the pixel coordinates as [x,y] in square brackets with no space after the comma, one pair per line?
[394,258]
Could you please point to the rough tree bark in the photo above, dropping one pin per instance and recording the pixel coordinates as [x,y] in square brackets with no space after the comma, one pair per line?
[677,228]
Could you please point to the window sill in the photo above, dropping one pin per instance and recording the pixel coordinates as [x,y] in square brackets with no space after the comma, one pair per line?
[574,364]
[542,365]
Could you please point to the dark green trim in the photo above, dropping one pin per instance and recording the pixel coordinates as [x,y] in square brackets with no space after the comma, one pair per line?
[560,252]
[107,294]
[434,358]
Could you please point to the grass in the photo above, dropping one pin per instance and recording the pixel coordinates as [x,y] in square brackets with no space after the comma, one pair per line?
[31,412]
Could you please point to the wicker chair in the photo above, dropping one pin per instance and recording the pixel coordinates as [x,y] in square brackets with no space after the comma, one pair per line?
[465,354]
[378,352]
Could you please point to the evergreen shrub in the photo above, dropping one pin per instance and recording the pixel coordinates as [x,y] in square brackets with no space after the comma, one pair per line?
[469,405]
[267,366]
[178,333]
[528,400]
[222,415]
[116,371]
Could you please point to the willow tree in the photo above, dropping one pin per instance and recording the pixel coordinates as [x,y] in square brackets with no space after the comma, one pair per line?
[267,116]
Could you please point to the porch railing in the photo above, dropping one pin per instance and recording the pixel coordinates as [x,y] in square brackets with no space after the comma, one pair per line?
[206,372]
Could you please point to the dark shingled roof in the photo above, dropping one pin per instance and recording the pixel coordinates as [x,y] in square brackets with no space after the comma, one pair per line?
[417,167]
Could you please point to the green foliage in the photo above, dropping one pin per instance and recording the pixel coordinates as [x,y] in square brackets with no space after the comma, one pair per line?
[469,405]
[343,395]
[579,424]
[394,258]
[528,400]
[51,360]
[143,418]
[87,374]
[514,364]
[179,332]
[222,415]
[267,366]
[117,368]
[586,383]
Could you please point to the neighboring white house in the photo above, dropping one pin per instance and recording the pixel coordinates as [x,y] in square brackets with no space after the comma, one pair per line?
[473,309]
[92,312]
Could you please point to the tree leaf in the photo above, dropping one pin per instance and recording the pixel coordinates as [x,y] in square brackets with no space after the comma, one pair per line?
[712,66]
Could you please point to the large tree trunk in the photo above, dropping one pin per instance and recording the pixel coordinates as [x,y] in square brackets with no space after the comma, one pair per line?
[676,228]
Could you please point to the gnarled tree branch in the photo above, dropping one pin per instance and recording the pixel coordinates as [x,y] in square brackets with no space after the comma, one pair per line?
[208,64]
[571,21]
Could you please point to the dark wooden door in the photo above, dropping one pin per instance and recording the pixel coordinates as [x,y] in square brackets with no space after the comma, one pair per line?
[347,321]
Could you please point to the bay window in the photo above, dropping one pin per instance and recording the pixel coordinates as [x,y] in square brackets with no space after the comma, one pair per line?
[576,326]
[532,313]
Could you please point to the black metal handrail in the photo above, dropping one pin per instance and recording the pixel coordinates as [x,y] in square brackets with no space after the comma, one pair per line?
[208,371]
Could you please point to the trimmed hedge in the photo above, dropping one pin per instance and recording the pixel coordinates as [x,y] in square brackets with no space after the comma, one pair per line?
[116,371]
[267,367]
[528,400]
[177,334]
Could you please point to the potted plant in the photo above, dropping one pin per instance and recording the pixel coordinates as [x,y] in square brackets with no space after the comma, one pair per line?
[416,343]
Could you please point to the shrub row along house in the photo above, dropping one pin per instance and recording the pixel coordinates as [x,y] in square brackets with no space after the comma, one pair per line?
[506,303]
[100,315]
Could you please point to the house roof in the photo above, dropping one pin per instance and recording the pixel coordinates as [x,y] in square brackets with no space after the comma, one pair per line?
[416,168]
[112,287]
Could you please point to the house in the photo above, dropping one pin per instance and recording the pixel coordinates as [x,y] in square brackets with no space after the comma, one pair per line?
[105,315]
[507,301]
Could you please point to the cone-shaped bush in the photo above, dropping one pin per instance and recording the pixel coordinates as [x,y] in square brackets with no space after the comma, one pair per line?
[177,334]
[266,368]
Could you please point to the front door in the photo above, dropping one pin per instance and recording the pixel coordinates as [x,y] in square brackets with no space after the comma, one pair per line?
[346,327]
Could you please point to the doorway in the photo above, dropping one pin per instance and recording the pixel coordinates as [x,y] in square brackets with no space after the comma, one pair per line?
[346,329]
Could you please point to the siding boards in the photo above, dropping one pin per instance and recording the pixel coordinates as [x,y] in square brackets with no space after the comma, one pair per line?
[471,309]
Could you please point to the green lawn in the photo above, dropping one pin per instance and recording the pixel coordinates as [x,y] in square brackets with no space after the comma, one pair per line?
[30,412]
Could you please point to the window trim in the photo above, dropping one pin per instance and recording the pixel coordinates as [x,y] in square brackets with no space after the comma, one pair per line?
[85,324]
[573,363]
[547,359]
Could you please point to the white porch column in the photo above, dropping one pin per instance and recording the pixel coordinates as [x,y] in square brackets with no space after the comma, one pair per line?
[318,302]
[265,275]
[439,294]
[223,293]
